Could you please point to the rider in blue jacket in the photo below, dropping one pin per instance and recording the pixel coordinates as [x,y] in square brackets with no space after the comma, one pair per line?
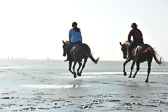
[74,38]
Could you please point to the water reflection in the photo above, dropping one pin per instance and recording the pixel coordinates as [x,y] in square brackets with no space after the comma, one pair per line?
[71,84]
[54,86]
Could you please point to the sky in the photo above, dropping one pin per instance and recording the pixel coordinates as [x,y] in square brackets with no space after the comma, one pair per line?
[34,29]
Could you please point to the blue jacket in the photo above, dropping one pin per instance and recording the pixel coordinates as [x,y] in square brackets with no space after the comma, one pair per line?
[75,36]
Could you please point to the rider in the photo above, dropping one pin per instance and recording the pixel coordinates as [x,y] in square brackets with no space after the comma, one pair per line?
[137,37]
[74,38]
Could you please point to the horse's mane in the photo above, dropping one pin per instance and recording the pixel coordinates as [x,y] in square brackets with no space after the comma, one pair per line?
[67,41]
[127,43]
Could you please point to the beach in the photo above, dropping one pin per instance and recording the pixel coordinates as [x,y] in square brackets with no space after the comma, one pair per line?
[48,86]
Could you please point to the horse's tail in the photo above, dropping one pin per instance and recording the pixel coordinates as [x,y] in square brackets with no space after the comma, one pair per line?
[91,57]
[154,54]
[88,53]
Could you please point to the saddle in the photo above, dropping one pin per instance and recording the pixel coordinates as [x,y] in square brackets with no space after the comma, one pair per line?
[137,49]
[74,46]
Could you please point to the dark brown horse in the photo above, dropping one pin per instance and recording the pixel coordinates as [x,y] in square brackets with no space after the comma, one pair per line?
[78,52]
[140,54]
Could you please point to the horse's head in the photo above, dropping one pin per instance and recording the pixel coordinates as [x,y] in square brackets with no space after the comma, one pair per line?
[124,49]
[64,47]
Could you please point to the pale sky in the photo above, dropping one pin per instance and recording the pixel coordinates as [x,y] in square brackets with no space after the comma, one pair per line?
[35,28]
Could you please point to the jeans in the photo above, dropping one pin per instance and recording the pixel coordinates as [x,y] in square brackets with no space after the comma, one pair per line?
[70,45]
[133,45]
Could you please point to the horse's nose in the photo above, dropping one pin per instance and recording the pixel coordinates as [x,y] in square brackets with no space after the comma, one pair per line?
[64,54]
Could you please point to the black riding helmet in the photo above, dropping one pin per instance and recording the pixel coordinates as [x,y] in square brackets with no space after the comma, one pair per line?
[134,25]
[74,24]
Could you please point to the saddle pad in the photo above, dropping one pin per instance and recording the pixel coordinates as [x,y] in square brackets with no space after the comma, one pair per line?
[135,50]
[73,48]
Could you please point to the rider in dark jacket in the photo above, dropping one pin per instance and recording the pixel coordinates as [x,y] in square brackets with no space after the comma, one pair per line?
[137,38]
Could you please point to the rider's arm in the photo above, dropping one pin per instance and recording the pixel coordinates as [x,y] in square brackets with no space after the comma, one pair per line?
[129,36]
[70,35]
[80,37]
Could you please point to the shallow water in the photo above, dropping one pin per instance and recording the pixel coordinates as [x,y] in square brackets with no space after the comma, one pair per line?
[47,86]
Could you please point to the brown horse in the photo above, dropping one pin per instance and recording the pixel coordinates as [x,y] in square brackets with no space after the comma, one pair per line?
[140,54]
[78,52]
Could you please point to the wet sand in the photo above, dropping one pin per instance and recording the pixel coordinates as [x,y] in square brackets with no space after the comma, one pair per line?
[52,91]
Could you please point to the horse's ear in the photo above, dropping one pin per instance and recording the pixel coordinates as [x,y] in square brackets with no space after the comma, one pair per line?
[121,44]
[63,42]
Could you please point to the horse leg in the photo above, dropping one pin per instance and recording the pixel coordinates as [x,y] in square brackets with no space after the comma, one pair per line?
[70,64]
[149,69]
[83,66]
[137,69]
[74,69]
[80,64]
[132,67]
[124,64]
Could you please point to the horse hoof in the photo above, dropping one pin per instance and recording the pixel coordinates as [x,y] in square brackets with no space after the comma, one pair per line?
[79,74]
[146,81]
[129,77]
[75,76]
[125,73]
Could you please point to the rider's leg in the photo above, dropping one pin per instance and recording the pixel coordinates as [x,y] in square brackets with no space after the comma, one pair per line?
[130,48]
